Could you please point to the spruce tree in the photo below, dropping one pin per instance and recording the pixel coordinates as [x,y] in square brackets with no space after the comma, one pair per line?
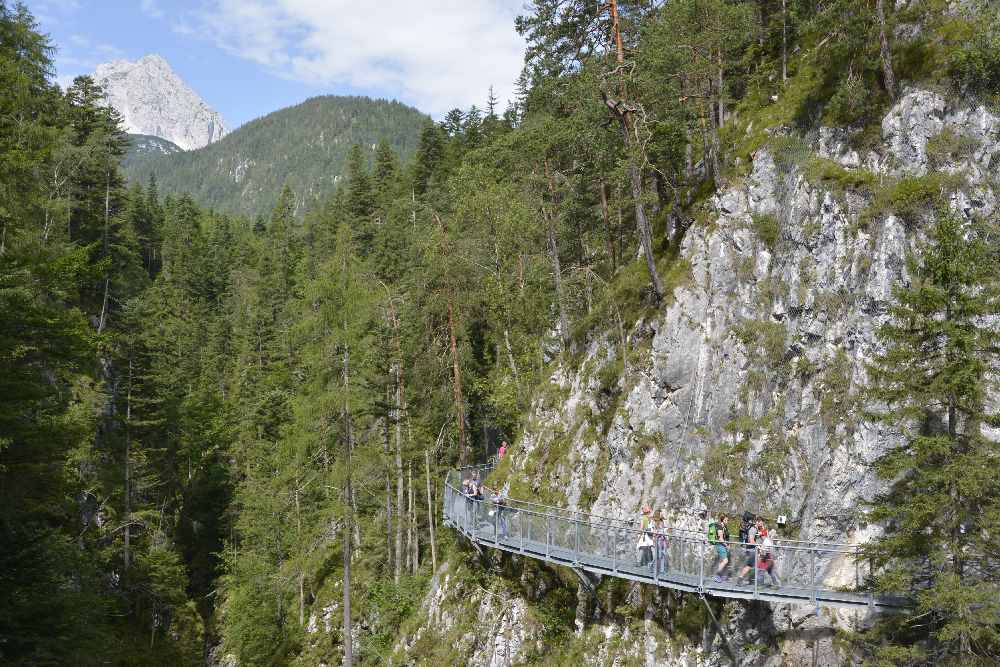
[941,510]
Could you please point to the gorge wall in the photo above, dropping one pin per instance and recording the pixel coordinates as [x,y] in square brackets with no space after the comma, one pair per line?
[742,394]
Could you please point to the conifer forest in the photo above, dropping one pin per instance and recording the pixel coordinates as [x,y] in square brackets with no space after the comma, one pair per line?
[717,254]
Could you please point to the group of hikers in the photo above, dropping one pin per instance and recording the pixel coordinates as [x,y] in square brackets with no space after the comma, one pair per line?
[473,488]
[755,541]
[754,549]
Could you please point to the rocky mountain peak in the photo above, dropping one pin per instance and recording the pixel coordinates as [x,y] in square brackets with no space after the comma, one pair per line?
[153,100]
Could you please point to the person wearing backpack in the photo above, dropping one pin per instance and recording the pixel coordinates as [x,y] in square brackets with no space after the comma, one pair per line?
[718,536]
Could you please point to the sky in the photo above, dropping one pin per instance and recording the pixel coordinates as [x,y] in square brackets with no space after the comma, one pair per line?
[247,58]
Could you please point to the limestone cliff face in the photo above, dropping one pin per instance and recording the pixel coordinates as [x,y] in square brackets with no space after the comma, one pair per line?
[742,393]
[153,100]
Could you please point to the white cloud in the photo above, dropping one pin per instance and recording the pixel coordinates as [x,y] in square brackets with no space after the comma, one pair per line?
[434,55]
[152,9]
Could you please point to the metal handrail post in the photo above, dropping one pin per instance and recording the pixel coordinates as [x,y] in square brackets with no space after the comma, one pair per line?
[496,524]
[756,572]
[576,552]
[812,573]
[520,528]
[701,567]
[871,583]
[656,559]
[548,536]
[614,553]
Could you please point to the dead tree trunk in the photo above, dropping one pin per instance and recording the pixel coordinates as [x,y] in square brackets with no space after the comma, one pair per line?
[884,51]
[459,400]
[430,511]
[623,113]
[550,233]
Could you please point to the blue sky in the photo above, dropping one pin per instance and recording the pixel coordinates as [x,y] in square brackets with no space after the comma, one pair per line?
[247,58]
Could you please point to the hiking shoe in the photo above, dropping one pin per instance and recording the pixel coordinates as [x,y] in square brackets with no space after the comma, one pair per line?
[717,579]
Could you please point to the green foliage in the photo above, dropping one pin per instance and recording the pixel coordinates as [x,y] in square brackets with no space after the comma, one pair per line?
[974,63]
[767,229]
[933,380]
[305,147]
[912,198]
[789,151]
[763,340]
[948,146]
[829,174]
[212,413]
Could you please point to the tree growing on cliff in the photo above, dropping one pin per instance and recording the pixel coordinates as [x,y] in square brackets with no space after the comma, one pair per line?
[942,508]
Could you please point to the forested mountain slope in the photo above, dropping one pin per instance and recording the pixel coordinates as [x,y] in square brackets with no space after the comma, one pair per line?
[304,146]
[719,256]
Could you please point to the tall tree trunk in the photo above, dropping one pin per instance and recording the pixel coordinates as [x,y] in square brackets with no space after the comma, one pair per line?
[609,246]
[550,233]
[398,567]
[510,355]
[621,111]
[107,251]
[722,90]
[463,445]
[411,532]
[348,517]
[127,556]
[784,41]
[884,52]
[302,576]
[716,147]
[645,231]
[430,511]
[388,482]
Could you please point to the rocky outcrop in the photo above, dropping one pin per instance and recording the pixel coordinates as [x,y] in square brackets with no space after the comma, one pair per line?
[743,393]
[153,100]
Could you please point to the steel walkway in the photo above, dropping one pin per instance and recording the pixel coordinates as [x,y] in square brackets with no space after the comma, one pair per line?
[818,574]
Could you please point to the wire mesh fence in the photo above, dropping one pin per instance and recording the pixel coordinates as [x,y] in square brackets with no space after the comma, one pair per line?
[670,557]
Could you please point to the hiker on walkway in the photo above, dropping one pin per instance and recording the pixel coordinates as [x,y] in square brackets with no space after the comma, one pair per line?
[718,537]
[765,558]
[660,537]
[502,450]
[645,544]
[748,536]
[499,506]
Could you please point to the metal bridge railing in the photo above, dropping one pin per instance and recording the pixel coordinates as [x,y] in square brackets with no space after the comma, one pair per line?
[684,559]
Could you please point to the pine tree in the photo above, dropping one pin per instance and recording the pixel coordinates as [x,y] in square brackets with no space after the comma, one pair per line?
[941,511]
[430,154]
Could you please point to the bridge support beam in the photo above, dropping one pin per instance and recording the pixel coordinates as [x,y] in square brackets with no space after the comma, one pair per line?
[585,597]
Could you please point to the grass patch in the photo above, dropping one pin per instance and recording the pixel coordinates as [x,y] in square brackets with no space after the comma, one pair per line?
[912,199]
[948,146]
[766,227]
[830,175]
[764,340]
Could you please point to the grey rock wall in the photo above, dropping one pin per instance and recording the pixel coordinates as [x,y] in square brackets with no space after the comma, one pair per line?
[740,394]
[153,100]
